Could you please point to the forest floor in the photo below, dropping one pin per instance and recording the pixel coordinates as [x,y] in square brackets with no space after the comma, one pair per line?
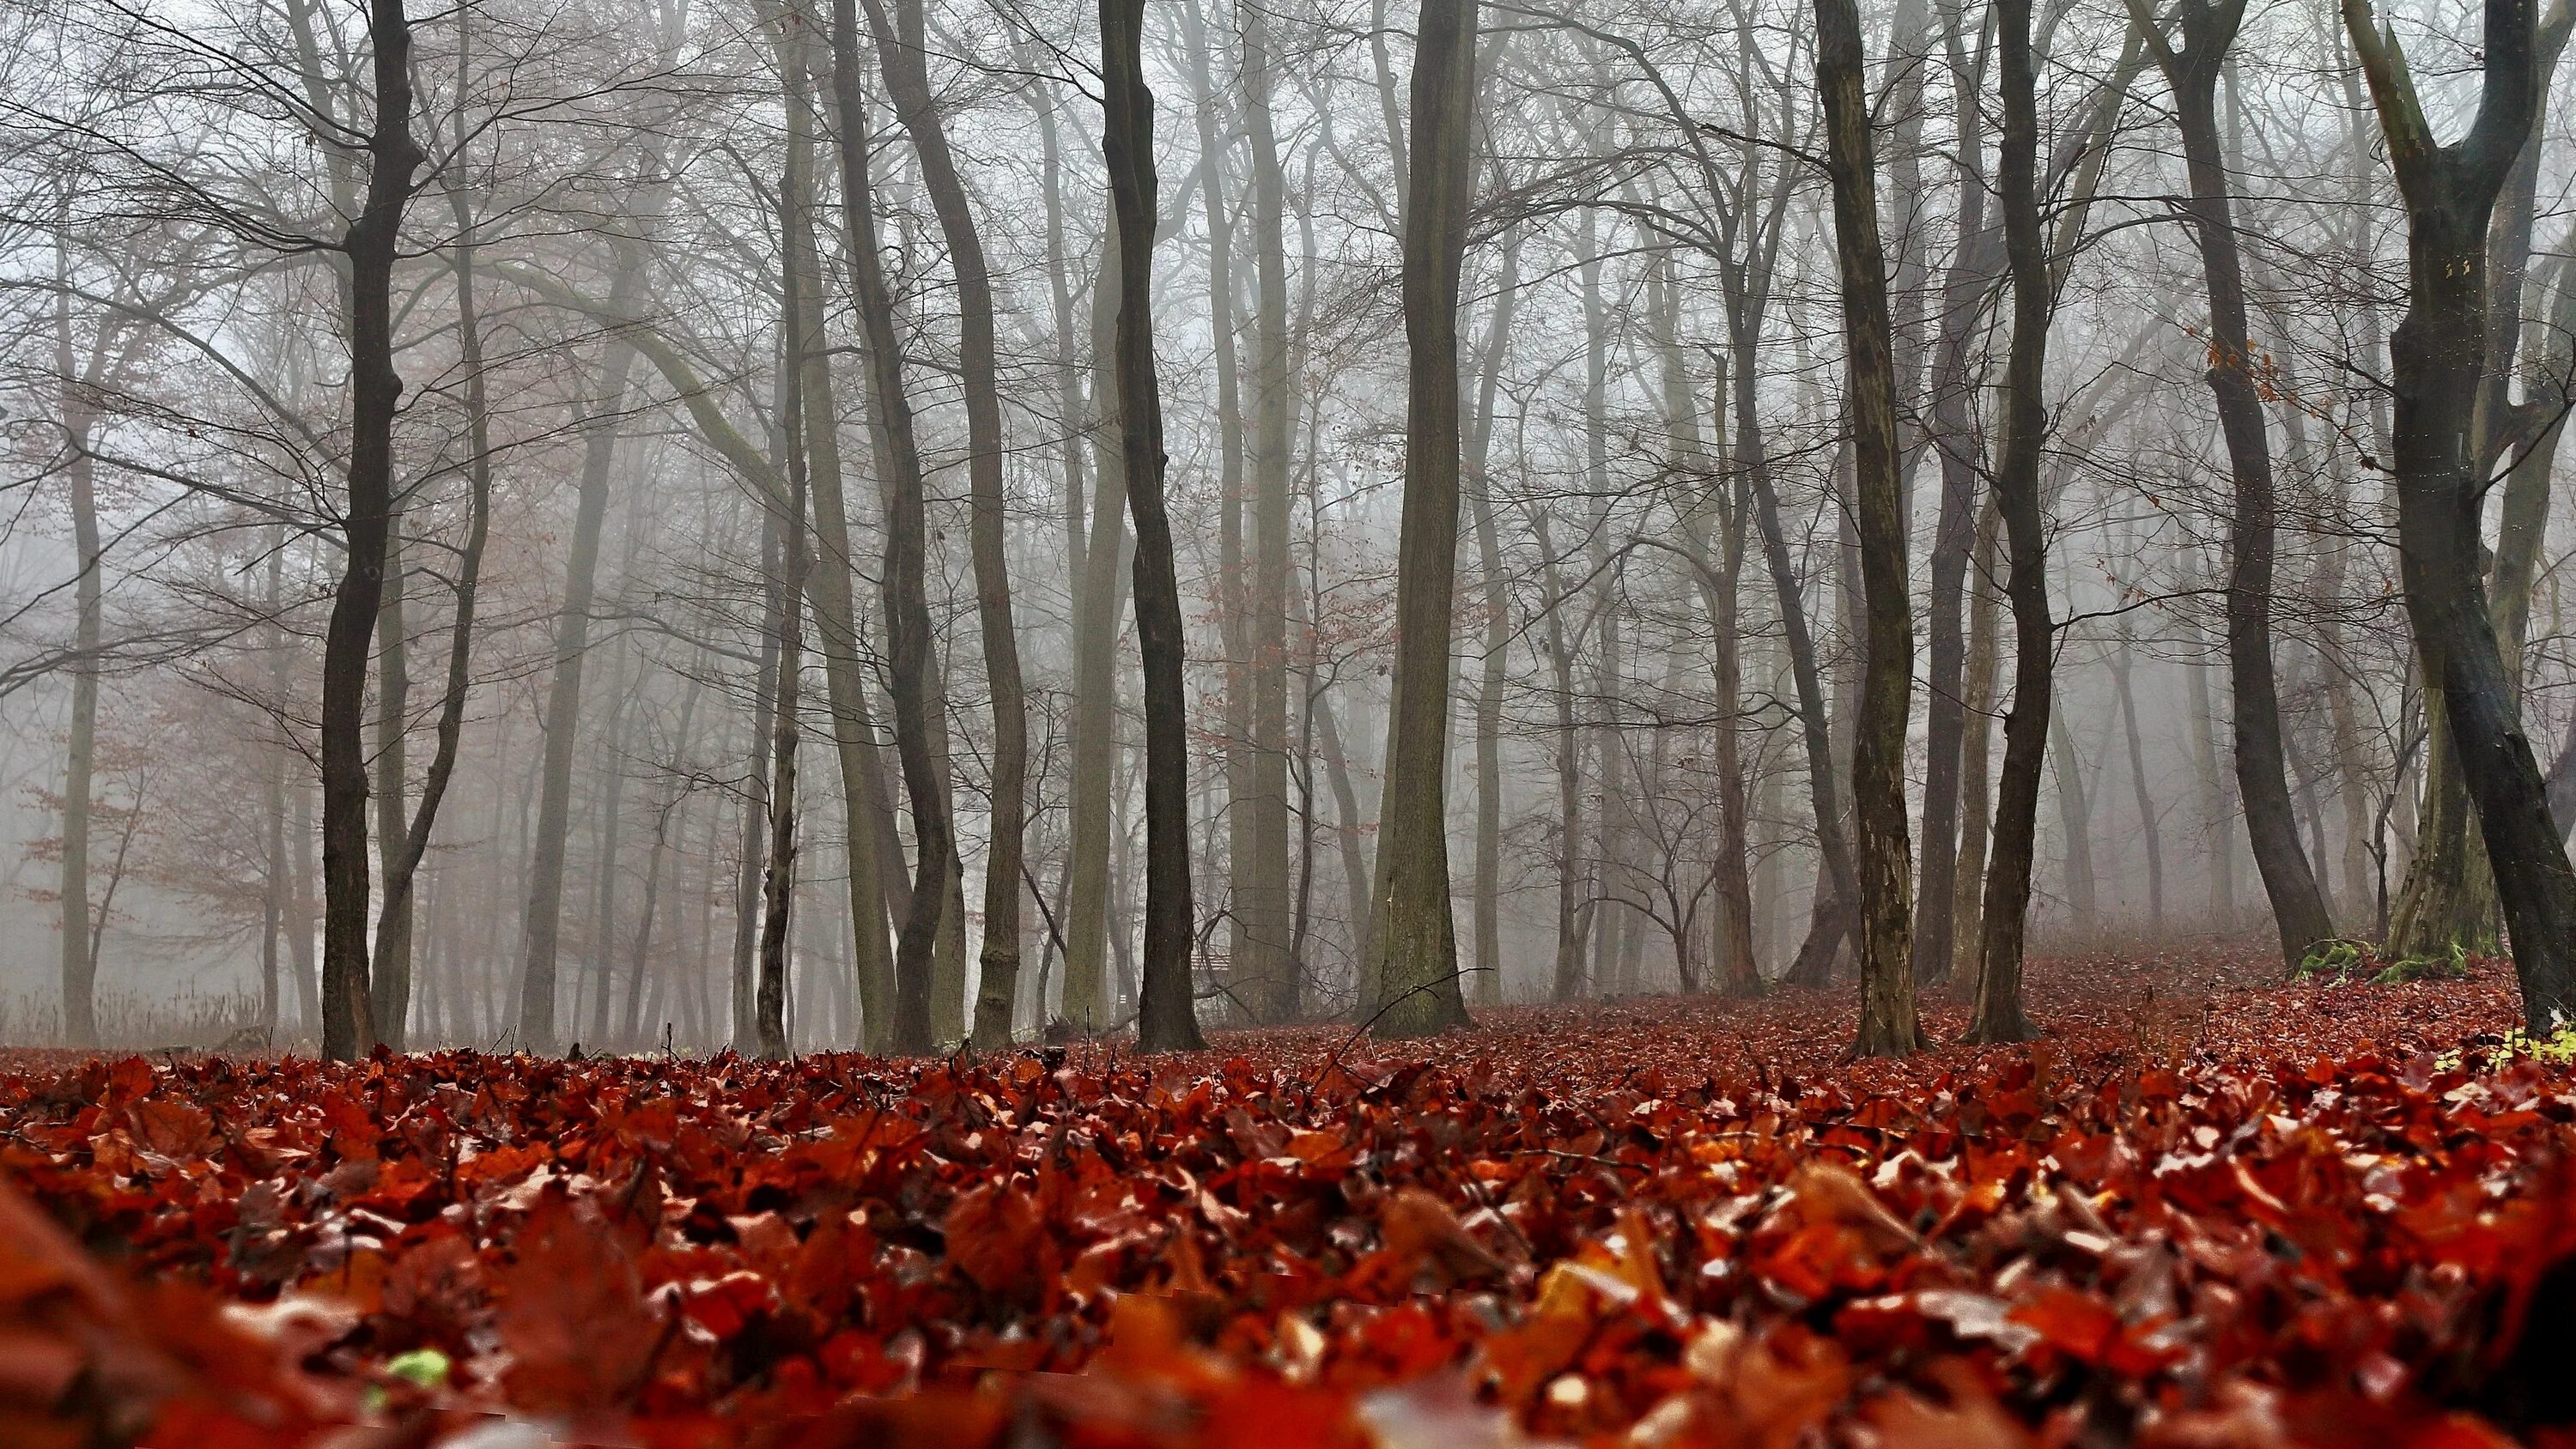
[2204,1211]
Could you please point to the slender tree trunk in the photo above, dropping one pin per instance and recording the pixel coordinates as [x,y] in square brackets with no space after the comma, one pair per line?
[1167,1019]
[2148,825]
[902,50]
[372,245]
[538,978]
[1953,437]
[2209,29]
[1884,868]
[1570,934]
[389,976]
[1349,822]
[1261,878]
[276,898]
[1976,796]
[742,1019]
[920,719]
[2075,823]
[1230,586]
[1101,604]
[1999,1013]
[876,852]
[1497,642]
[79,959]
[407,842]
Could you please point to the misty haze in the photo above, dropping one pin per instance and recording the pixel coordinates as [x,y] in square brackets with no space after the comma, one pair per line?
[822,561]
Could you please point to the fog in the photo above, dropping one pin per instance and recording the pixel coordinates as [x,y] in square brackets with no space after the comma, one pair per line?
[779,446]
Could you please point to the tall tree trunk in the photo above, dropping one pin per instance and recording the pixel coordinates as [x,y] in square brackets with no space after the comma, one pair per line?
[1717,567]
[1953,437]
[2208,30]
[901,48]
[276,899]
[2438,355]
[79,959]
[920,719]
[2075,824]
[2149,829]
[2000,1016]
[1569,776]
[876,852]
[1883,864]
[1230,587]
[407,842]
[797,268]
[1976,796]
[389,976]
[1167,1017]
[742,1018]
[372,244]
[1101,603]
[1261,876]
[1498,633]
[1413,946]
[538,978]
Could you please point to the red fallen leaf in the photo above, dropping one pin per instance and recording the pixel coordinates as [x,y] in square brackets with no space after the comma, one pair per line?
[998,1238]
[172,1129]
[1421,1231]
[1828,1192]
[2072,1323]
[1969,1418]
[572,1313]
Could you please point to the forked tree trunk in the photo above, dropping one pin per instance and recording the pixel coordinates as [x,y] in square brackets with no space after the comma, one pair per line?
[1413,948]
[372,244]
[1167,1018]
[920,720]
[901,48]
[1883,864]
[2437,357]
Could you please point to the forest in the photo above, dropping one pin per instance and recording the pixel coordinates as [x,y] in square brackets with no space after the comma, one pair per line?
[1308,722]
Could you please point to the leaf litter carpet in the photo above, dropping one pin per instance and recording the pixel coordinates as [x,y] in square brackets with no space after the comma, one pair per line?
[2205,1211]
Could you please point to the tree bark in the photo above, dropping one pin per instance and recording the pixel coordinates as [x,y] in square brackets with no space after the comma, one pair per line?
[1498,633]
[1883,864]
[901,50]
[1999,1015]
[1413,947]
[372,245]
[2208,30]
[2437,357]
[920,718]
[1167,1017]
[79,960]
[392,967]
[1261,898]
[538,979]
